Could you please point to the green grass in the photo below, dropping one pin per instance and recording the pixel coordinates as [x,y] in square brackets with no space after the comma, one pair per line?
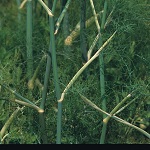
[126,61]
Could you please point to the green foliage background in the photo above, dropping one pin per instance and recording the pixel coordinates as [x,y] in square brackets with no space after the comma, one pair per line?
[127,67]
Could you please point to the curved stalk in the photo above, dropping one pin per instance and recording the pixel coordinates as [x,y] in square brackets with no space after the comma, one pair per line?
[17,95]
[84,67]
[114,117]
[62,16]
[29,105]
[116,108]
[8,123]
[75,33]
[46,8]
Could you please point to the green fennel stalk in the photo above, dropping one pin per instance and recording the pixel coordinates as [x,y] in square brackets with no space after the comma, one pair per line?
[102,76]
[29,40]
[75,77]
[113,116]
[7,124]
[101,63]
[55,74]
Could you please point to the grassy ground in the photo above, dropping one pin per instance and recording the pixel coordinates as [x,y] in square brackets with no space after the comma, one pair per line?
[126,61]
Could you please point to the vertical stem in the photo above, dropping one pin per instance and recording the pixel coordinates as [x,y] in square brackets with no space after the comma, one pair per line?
[29,53]
[44,94]
[46,79]
[42,127]
[55,74]
[59,115]
[29,40]
[102,79]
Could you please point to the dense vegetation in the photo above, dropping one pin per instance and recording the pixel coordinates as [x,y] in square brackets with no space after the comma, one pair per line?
[33,75]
